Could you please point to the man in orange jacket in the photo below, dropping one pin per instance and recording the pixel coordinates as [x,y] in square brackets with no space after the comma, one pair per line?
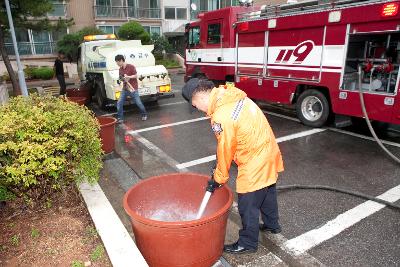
[245,136]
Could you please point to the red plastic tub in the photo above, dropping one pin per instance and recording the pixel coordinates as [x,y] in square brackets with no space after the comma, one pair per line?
[107,133]
[77,99]
[79,92]
[194,243]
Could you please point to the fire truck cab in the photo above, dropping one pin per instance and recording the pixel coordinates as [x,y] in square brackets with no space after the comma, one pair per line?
[315,55]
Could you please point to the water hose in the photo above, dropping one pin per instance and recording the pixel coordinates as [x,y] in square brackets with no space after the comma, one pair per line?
[344,191]
[364,110]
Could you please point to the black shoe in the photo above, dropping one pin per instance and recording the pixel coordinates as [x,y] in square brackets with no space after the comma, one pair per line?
[236,249]
[264,228]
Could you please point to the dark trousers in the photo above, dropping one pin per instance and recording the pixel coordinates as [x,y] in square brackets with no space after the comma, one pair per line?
[250,205]
[61,81]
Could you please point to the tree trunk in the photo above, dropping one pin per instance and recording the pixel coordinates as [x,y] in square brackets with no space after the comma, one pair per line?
[4,55]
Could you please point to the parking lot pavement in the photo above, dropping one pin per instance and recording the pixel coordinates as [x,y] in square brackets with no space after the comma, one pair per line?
[319,227]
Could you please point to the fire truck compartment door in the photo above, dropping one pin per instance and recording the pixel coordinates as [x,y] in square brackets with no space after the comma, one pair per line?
[379,106]
[396,110]
[250,53]
[296,54]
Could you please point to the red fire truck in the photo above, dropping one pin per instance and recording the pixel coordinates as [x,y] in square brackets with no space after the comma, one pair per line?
[307,54]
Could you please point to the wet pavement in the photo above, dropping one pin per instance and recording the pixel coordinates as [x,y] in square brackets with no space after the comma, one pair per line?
[173,139]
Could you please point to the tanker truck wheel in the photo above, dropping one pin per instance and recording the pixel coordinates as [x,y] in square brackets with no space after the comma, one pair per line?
[312,108]
[100,94]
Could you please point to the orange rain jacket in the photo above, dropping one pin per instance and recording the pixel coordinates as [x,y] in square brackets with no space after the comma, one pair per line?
[245,136]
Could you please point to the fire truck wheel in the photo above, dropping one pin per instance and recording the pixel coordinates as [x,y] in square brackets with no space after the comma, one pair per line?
[100,94]
[312,108]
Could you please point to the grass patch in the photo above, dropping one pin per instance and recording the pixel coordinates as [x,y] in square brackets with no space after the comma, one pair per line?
[168,63]
[91,232]
[77,264]
[97,253]
[15,240]
[35,233]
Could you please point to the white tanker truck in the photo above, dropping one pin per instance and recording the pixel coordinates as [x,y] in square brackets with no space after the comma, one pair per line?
[97,66]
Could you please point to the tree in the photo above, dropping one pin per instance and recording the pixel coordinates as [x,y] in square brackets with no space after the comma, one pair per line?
[160,44]
[27,14]
[134,31]
[69,44]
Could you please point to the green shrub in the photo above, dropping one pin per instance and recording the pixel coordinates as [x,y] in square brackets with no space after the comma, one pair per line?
[28,72]
[133,31]
[5,195]
[6,77]
[160,44]
[43,73]
[68,45]
[46,145]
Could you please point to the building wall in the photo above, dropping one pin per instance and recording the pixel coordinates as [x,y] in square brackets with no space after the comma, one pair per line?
[82,12]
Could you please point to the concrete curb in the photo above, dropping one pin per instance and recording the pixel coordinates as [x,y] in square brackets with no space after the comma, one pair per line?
[120,247]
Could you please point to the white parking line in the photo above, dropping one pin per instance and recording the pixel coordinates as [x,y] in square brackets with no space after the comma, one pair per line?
[166,125]
[335,130]
[279,140]
[160,105]
[157,151]
[364,137]
[332,228]
[196,162]
[281,116]
[300,134]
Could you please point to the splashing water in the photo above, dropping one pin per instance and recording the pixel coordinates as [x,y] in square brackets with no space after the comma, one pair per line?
[175,215]
[203,205]
[168,212]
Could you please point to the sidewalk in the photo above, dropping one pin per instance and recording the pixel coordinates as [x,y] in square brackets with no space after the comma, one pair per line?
[45,83]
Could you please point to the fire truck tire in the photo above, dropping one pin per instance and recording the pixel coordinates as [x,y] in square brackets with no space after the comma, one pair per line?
[312,108]
[100,94]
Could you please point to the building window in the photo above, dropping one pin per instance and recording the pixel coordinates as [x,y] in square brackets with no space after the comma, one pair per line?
[181,13]
[153,30]
[109,29]
[175,13]
[169,13]
[103,2]
[214,33]
[34,42]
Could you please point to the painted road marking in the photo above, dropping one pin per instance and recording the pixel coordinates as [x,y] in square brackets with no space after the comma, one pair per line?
[159,105]
[278,140]
[363,137]
[312,238]
[281,116]
[336,130]
[157,151]
[166,125]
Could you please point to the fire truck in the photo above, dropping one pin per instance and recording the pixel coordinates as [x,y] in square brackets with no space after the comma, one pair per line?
[96,65]
[314,55]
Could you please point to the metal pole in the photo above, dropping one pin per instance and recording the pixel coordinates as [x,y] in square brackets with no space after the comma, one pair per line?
[21,75]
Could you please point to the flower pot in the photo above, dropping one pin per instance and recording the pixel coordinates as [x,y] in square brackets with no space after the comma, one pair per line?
[79,92]
[107,133]
[80,100]
[188,242]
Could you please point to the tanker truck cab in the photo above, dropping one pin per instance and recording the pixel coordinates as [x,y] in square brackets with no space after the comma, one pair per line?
[96,65]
